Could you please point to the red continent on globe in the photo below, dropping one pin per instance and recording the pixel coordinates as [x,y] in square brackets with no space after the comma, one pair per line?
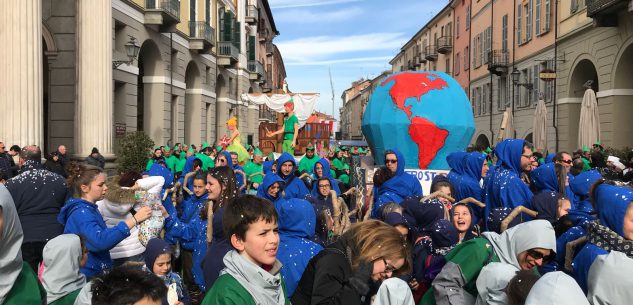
[428,137]
[412,85]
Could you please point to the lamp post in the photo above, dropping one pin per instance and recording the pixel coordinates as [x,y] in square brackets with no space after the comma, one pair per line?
[131,49]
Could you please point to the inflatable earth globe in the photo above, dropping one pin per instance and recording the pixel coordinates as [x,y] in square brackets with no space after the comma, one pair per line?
[425,115]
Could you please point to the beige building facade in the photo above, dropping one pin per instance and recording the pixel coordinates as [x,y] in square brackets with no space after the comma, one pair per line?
[195,58]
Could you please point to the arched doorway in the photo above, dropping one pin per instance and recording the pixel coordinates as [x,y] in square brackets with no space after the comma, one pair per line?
[150,92]
[583,75]
[193,100]
[482,142]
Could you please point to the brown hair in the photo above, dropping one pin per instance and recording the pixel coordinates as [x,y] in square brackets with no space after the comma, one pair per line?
[373,239]
[520,285]
[128,179]
[81,174]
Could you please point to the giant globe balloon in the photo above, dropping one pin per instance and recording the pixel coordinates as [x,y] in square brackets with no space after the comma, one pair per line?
[426,115]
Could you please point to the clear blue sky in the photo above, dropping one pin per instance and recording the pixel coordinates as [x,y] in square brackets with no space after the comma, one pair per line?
[354,38]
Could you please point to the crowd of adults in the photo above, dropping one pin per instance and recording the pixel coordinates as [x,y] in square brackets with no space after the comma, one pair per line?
[505,226]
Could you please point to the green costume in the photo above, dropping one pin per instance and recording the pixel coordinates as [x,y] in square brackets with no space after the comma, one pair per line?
[24,288]
[289,132]
[344,177]
[307,164]
[227,291]
[150,162]
[207,162]
[171,163]
[251,168]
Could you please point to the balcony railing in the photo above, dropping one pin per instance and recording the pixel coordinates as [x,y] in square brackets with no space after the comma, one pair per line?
[202,30]
[170,7]
[601,7]
[254,66]
[498,61]
[229,50]
[422,57]
[444,44]
[252,15]
[430,53]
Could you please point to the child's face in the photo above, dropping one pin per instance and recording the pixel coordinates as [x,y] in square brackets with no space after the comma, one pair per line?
[162,264]
[198,187]
[563,208]
[260,242]
[213,187]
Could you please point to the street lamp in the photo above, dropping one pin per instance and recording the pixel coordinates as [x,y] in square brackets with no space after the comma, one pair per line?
[515,80]
[131,49]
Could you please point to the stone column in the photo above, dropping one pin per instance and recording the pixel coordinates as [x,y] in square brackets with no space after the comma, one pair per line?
[21,105]
[93,108]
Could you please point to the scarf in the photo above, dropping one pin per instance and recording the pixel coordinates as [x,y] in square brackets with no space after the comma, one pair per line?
[264,286]
[608,239]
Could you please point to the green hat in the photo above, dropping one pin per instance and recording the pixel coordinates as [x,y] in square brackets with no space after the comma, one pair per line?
[166,148]
[257,152]
[271,156]
[190,150]
[218,148]
[310,146]
[598,142]
[337,149]
[585,149]
[488,150]
[156,148]
[204,145]
[343,147]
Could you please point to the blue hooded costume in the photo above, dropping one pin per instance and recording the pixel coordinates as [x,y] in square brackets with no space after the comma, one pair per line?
[155,248]
[213,261]
[421,215]
[193,237]
[545,202]
[550,158]
[82,218]
[469,183]
[294,188]
[325,164]
[238,177]
[398,188]
[159,170]
[267,167]
[611,203]
[269,180]
[456,161]
[297,222]
[581,186]
[504,188]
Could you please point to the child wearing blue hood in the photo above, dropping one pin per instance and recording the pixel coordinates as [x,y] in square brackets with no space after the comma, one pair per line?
[398,187]
[81,216]
[158,255]
[294,187]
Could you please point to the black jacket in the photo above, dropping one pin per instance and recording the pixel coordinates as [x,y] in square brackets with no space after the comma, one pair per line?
[7,165]
[97,161]
[55,167]
[39,196]
[326,279]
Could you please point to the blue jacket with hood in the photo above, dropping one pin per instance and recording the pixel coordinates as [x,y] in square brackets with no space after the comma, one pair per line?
[239,178]
[269,180]
[398,188]
[82,218]
[326,172]
[469,183]
[213,261]
[457,162]
[581,186]
[297,221]
[294,188]
[611,203]
[504,187]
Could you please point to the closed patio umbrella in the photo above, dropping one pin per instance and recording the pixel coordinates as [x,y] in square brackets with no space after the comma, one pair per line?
[539,127]
[507,125]
[589,126]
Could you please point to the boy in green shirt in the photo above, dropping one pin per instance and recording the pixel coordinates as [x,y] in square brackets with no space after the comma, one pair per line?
[309,160]
[290,129]
[254,169]
[251,275]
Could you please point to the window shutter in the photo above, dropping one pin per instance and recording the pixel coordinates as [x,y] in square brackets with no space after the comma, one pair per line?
[237,35]
[504,33]
[519,40]
[528,23]
[537,20]
[251,48]
[548,13]
[228,26]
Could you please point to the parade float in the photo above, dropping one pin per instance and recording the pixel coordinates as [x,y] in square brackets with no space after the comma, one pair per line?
[425,115]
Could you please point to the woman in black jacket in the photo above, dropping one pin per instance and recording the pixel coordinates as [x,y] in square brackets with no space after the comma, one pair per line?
[344,272]
[53,164]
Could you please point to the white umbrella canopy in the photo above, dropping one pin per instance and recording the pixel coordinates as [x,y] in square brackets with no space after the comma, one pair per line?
[539,127]
[507,125]
[589,126]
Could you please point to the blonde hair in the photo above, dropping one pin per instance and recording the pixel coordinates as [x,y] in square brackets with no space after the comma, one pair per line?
[232,121]
[373,239]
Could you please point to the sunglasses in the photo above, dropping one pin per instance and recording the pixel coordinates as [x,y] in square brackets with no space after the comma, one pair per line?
[323,186]
[388,268]
[567,161]
[387,161]
[538,255]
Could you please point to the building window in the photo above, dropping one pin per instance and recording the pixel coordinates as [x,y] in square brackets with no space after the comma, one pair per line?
[468,17]
[448,66]
[466,59]
[536,92]
[504,32]
[519,31]
[537,19]
[457,27]
[484,98]
[457,61]
[487,44]
[548,14]
[527,75]
[528,20]
[502,97]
